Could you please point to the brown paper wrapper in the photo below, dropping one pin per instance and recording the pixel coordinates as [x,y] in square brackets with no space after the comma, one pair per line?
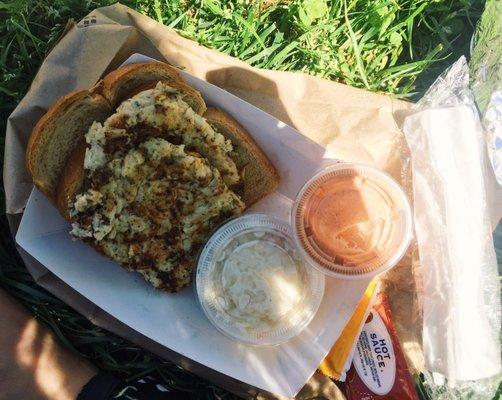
[354,125]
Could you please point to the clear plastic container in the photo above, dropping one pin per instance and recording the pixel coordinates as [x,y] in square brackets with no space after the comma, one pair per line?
[253,284]
[352,221]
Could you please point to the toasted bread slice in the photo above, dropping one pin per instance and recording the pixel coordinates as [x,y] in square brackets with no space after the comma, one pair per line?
[189,95]
[258,175]
[58,132]
[118,84]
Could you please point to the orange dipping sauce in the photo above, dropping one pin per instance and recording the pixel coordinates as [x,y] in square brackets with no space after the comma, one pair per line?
[351,219]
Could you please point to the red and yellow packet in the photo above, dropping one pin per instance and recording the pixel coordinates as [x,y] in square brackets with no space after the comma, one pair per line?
[379,369]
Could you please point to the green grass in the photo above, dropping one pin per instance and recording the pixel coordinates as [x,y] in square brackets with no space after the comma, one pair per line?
[379,45]
[394,47]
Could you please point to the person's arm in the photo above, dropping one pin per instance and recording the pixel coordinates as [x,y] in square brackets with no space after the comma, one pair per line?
[33,365]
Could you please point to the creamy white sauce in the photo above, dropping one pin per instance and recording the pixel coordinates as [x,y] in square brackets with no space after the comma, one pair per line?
[260,285]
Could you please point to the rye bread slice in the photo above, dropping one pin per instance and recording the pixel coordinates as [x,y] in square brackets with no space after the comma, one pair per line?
[57,133]
[71,181]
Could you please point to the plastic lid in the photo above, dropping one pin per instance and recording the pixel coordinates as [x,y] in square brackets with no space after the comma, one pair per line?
[352,221]
[253,284]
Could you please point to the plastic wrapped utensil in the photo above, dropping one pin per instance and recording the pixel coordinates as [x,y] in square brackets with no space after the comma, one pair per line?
[451,179]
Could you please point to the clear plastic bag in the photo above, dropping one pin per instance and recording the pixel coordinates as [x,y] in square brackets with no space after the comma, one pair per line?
[454,216]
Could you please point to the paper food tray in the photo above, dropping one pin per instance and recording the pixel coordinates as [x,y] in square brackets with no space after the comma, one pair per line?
[176,320]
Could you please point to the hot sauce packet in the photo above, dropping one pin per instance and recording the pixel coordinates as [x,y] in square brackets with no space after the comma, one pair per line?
[379,369]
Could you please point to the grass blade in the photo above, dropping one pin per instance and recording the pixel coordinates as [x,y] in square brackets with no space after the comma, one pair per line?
[355,46]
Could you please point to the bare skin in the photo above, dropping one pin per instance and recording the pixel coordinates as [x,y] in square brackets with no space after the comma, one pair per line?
[33,365]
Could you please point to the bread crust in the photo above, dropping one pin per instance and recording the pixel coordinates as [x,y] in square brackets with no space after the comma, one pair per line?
[111,84]
[70,181]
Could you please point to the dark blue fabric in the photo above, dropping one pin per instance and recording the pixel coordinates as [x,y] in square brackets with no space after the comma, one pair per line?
[107,387]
